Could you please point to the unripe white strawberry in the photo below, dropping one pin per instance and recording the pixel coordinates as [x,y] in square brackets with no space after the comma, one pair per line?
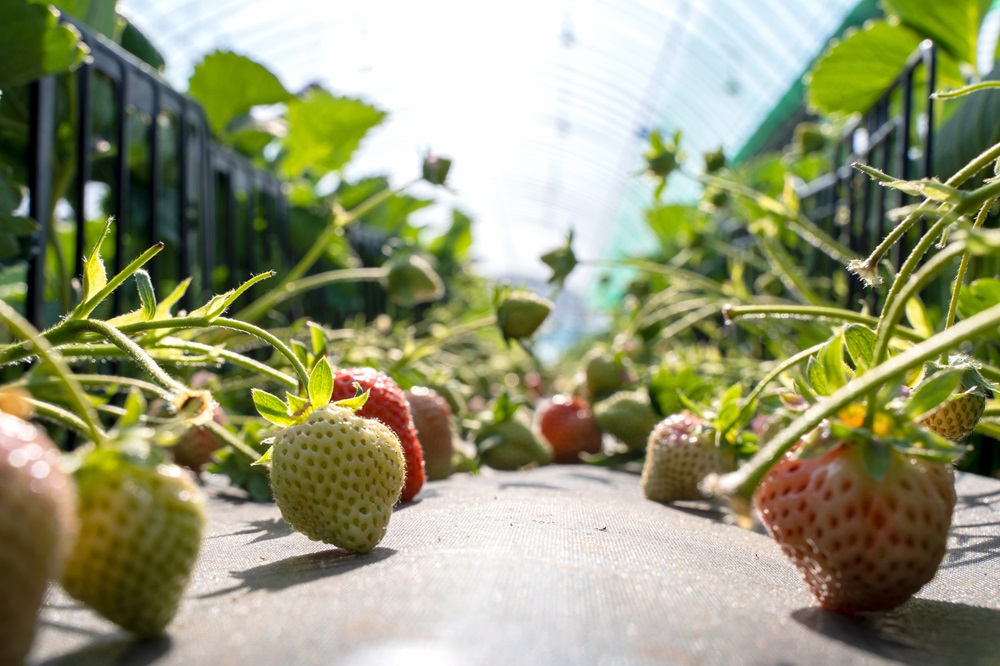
[140,532]
[37,527]
[680,453]
[336,477]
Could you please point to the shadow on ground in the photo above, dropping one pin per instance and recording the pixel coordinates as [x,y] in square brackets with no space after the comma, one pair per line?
[115,650]
[921,631]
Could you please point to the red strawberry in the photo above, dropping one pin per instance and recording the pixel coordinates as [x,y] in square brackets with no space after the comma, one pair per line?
[860,543]
[680,453]
[386,403]
[568,425]
[37,526]
[432,419]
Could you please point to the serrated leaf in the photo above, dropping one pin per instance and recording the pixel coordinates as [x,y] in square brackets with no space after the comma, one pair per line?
[147,295]
[95,277]
[221,302]
[321,383]
[860,342]
[932,392]
[163,308]
[318,339]
[877,457]
[271,407]
[324,131]
[229,85]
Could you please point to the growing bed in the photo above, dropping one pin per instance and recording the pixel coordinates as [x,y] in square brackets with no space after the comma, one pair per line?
[557,565]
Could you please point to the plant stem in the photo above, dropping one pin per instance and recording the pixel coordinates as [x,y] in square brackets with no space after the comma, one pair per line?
[734,312]
[984,159]
[747,403]
[232,440]
[963,266]
[41,347]
[427,347]
[63,417]
[233,357]
[279,294]
[133,351]
[84,309]
[741,484]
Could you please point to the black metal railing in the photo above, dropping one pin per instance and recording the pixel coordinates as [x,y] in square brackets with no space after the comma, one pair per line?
[894,136]
[143,153]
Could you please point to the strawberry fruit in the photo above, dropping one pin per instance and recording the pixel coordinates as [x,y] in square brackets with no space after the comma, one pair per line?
[520,313]
[336,477]
[140,532]
[862,541]
[37,525]
[567,423]
[680,453]
[387,403]
[629,416]
[957,418]
[432,419]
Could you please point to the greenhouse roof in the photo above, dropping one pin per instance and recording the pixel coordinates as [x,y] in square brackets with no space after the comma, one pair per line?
[544,106]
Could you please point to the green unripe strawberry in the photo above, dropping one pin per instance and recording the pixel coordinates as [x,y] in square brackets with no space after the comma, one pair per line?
[511,445]
[629,416]
[336,477]
[412,280]
[37,526]
[958,417]
[604,373]
[140,532]
[520,313]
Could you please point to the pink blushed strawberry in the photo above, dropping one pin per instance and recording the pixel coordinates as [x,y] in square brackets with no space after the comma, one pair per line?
[861,543]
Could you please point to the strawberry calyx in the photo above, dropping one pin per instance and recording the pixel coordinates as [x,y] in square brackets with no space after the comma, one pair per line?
[296,409]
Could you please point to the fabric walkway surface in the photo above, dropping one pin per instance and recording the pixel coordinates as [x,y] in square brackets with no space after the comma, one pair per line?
[557,565]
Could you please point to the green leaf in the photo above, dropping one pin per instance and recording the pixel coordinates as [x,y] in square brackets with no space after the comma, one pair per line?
[324,131]
[816,374]
[932,392]
[300,351]
[919,318]
[832,358]
[321,383]
[147,295]
[9,247]
[954,25]
[132,410]
[296,404]
[163,308]
[271,408]
[729,408]
[318,340]
[504,408]
[17,225]
[860,341]
[877,458]
[355,403]
[94,275]
[977,296]
[930,188]
[98,15]
[264,459]
[34,44]
[853,73]
[229,85]
[220,303]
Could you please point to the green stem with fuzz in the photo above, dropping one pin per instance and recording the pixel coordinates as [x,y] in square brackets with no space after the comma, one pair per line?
[963,266]
[41,347]
[735,312]
[741,484]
